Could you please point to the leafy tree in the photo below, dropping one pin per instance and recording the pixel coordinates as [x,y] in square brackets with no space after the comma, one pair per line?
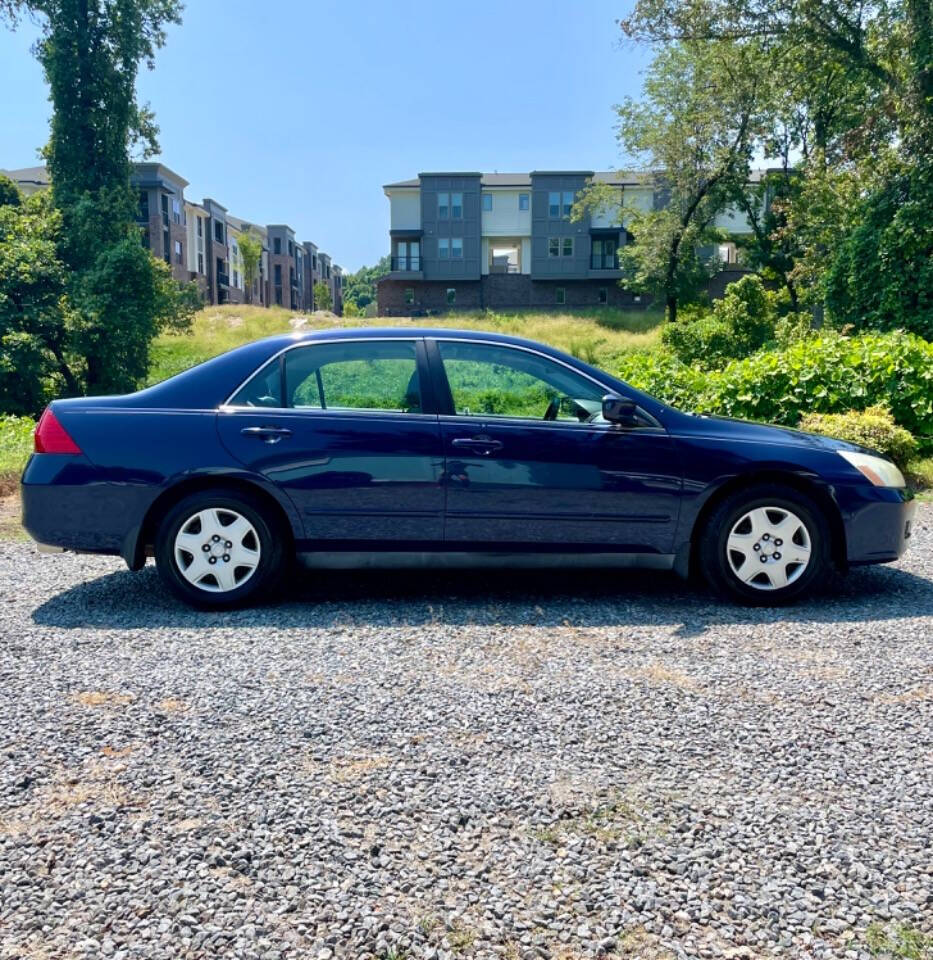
[33,336]
[360,287]
[322,298]
[9,192]
[117,296]
[881,274]
[250,245]
[695,126]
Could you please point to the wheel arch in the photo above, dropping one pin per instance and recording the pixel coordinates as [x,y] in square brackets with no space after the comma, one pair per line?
[283,514]
[819,492]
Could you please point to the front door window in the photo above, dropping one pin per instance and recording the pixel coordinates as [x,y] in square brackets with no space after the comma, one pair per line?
[492,381]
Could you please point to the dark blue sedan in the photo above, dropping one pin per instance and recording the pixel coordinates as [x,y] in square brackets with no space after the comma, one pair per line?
[444,448]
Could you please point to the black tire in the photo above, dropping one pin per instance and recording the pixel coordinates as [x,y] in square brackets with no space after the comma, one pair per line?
[719,568]
[267,536]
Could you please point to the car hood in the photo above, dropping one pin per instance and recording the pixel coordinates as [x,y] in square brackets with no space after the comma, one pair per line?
[732,429]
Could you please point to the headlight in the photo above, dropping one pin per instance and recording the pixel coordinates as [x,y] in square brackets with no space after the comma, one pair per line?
[881,472]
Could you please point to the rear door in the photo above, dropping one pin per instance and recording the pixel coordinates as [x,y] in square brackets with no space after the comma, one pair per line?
[344,428]
[532,465]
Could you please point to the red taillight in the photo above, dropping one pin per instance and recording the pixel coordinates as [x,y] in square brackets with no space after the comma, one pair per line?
[51,436]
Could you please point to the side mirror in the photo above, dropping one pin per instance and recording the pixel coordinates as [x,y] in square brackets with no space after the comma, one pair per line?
[620,410]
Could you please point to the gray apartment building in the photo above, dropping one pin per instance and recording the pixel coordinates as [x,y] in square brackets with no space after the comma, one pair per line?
[200,242]
[469,240]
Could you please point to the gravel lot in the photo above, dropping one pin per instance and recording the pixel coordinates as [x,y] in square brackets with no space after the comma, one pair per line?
[542,765]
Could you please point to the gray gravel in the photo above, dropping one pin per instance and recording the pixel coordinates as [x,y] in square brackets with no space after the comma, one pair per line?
[434,766]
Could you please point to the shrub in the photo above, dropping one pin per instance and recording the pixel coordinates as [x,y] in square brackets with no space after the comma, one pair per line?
[826,373]
[739,324]
[873,427]
[793,327]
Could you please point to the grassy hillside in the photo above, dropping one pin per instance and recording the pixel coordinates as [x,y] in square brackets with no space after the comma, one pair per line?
[597,336]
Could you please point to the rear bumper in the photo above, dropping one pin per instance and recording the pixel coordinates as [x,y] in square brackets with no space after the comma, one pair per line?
[67,507]
[878,529]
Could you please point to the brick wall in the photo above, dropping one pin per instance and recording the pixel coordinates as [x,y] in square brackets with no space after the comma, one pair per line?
[499,292]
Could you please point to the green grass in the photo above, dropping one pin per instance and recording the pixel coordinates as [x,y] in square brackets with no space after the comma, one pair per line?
[15,447]
[920,476]
[898,940]
[595,336]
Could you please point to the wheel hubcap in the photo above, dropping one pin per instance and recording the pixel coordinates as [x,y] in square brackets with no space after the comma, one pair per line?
[217,550]
[769,548]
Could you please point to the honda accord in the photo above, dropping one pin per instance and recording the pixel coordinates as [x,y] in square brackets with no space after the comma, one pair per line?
[407,447]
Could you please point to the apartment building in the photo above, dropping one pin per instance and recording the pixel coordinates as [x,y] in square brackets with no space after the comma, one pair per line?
[160,214]
[201,243]
[469,240]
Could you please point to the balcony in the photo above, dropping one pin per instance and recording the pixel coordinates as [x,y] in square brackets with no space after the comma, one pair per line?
[223,280]
[604,261]
[410,264]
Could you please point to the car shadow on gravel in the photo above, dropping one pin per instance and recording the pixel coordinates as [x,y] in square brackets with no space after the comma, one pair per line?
[124,600]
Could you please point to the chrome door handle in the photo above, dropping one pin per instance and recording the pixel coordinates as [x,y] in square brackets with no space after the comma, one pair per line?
[484,446]
[267,434]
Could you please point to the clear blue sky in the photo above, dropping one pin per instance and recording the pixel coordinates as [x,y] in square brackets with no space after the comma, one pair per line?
[297,111]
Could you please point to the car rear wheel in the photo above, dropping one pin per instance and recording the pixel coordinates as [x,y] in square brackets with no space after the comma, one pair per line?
[219,549]
[765,545]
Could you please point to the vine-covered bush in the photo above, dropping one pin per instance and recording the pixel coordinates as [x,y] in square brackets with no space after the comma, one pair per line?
[873,427]
[738,325]
[825,373]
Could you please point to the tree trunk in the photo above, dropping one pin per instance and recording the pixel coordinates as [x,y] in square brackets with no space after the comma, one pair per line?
[671,304]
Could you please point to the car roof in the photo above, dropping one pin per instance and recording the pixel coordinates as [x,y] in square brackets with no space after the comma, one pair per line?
[376,333]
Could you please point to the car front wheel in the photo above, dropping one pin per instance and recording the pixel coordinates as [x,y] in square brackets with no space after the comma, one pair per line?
[765,545]
[218,549]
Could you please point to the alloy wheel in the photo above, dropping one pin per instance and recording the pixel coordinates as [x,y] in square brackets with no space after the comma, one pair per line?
[768,548]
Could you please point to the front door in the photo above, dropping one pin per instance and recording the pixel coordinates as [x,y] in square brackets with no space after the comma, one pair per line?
[341,428]
[532,465]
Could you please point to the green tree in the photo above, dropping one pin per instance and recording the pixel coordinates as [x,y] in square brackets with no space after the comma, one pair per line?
[695,127]
[360,287]
[33,331]
[117,296]
[250,245]
[322,298]
[9,192]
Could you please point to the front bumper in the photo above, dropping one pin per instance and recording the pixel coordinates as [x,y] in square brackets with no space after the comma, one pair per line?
[878,526]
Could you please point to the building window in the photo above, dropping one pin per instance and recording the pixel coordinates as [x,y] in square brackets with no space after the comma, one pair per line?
[561,295]
[176,211]
[165,209]
[451,296]
[487,202]
[553,205]
[314,261]
[277,245]
[456,206]
[443,206]
[443,248]
[218,231]
[201,263]
[568,203]
[146,242]
[523,201]
[200,226]
[278,274]
[456,248]
[553,247]
[179,252]
[567,247]
[409,296]
[236,278]
[291,249]
[166,246]
[143,205]
[604,295]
